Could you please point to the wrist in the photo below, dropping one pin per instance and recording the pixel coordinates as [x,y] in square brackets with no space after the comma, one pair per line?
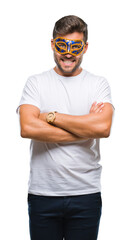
[50,117]
[42,116]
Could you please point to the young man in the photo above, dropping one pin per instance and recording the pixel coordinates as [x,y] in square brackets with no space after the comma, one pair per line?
[65,111]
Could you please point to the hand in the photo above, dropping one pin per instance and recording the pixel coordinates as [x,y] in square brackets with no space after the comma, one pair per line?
[96,107]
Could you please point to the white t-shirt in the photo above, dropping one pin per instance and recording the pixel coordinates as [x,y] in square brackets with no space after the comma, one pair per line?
[63,169]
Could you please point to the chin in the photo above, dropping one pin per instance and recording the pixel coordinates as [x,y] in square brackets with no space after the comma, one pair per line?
[74,70]
[68,71]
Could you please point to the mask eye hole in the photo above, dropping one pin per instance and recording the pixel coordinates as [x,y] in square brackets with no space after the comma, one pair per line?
[61,45]
[76,46]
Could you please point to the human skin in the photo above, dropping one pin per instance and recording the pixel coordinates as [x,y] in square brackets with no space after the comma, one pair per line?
[67,64]
[67,128]
[87,126]
[34,126]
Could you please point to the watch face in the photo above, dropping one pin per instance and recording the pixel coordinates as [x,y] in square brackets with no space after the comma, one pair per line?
[50,116]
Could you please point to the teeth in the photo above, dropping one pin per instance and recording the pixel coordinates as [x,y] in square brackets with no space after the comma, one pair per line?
[68,61]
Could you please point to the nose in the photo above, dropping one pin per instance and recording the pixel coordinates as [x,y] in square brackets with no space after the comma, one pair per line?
[68,55]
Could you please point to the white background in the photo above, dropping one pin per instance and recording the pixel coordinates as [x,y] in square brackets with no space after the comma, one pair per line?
[25,32]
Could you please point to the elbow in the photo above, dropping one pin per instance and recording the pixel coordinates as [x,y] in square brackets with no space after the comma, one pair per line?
[101,131]
[24,132]
[106,131]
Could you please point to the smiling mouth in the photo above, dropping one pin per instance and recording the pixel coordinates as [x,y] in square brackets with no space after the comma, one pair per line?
[68,61]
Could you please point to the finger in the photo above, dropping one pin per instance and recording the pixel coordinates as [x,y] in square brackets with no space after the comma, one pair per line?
[93,106]
[99,108]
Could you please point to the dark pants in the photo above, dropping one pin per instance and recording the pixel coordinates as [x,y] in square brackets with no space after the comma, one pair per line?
[69,218]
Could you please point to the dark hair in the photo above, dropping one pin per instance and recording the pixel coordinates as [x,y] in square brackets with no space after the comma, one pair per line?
[70,24]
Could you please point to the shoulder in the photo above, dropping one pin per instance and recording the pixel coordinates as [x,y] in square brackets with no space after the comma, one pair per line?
[93,77]
[39,76]
[94,80]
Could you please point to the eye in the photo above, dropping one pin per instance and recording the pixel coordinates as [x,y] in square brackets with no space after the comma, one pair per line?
[76,46]
[61,45]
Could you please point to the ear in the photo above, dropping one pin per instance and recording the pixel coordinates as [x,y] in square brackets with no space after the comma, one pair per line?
[52,44]
[86,47]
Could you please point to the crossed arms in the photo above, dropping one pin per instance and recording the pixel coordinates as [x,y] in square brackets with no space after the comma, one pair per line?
[66,128]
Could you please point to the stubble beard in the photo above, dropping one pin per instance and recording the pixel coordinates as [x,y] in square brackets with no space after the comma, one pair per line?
[64,71]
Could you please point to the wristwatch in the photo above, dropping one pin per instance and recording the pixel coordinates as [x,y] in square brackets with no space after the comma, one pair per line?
[50,118]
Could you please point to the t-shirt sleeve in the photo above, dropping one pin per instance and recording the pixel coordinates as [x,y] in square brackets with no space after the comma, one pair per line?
[30,93]
[102,91]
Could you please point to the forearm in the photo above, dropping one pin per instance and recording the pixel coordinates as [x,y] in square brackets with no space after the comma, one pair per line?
[82,126]
[90,125]
[42,131]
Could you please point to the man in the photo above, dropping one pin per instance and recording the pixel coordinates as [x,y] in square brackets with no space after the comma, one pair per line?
[65,111]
